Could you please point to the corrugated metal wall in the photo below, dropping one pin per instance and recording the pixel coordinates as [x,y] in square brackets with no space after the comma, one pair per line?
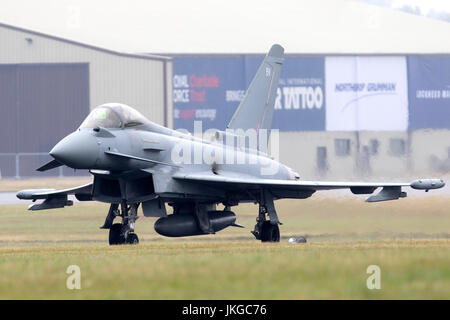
[8,96]
[40,103]
[138,81]
[48,85]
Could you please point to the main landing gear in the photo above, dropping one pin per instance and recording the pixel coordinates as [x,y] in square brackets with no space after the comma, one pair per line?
[122,233]
[267,230]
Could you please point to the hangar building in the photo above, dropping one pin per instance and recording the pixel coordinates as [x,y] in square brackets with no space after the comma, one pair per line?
[48,85]
[340,46]
[383,76]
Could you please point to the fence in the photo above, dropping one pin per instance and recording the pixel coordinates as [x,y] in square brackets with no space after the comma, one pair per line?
[24,165]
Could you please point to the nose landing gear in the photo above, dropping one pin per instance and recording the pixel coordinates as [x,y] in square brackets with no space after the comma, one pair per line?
[122,233]
[117,236]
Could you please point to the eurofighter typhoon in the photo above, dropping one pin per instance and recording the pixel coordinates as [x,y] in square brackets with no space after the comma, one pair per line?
[135,162]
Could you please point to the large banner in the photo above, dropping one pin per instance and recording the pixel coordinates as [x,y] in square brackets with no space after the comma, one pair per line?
[209,89]
[366,93]
[429,92]
[300,101]
[206,89]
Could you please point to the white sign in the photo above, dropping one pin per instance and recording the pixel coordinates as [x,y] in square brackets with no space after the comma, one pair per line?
[366,93]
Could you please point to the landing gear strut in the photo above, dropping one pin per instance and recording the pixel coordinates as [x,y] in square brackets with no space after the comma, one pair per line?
[122,233]
[267,230]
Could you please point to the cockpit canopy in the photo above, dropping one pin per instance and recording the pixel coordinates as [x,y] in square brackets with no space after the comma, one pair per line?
[113,115]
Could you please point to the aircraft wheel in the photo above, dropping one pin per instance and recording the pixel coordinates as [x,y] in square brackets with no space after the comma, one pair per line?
[115,234]
[270,232]
[132,238]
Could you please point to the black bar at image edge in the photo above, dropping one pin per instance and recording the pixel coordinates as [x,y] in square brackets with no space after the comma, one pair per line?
[220,309]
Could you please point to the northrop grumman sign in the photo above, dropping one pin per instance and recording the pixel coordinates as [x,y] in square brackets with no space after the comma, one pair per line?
[369,87]
[366,93]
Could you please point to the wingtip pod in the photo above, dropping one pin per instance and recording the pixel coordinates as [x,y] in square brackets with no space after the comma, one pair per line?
[427,184]
[31,194]
[276,51]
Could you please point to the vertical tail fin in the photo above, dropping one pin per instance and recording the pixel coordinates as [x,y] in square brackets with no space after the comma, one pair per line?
[256,110]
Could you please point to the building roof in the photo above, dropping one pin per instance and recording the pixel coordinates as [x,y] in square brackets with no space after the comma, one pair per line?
[84,45]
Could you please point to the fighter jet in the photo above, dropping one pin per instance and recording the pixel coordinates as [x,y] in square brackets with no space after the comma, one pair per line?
[135,162]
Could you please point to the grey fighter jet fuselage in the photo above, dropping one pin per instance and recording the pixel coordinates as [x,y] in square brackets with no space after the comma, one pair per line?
[136,162]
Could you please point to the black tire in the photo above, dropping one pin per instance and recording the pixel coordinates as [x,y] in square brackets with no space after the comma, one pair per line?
[270,232]
[132,238]
[115,234]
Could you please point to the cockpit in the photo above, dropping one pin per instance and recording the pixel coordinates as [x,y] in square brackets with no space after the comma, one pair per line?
[113,115]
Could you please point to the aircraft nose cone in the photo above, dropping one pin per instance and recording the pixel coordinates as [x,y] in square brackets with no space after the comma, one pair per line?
[79,150]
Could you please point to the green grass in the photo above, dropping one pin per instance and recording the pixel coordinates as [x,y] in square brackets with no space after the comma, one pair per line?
[408,239]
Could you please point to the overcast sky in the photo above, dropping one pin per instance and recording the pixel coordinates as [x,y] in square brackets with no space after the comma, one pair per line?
[424,5]
[151,26]
[177,25]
